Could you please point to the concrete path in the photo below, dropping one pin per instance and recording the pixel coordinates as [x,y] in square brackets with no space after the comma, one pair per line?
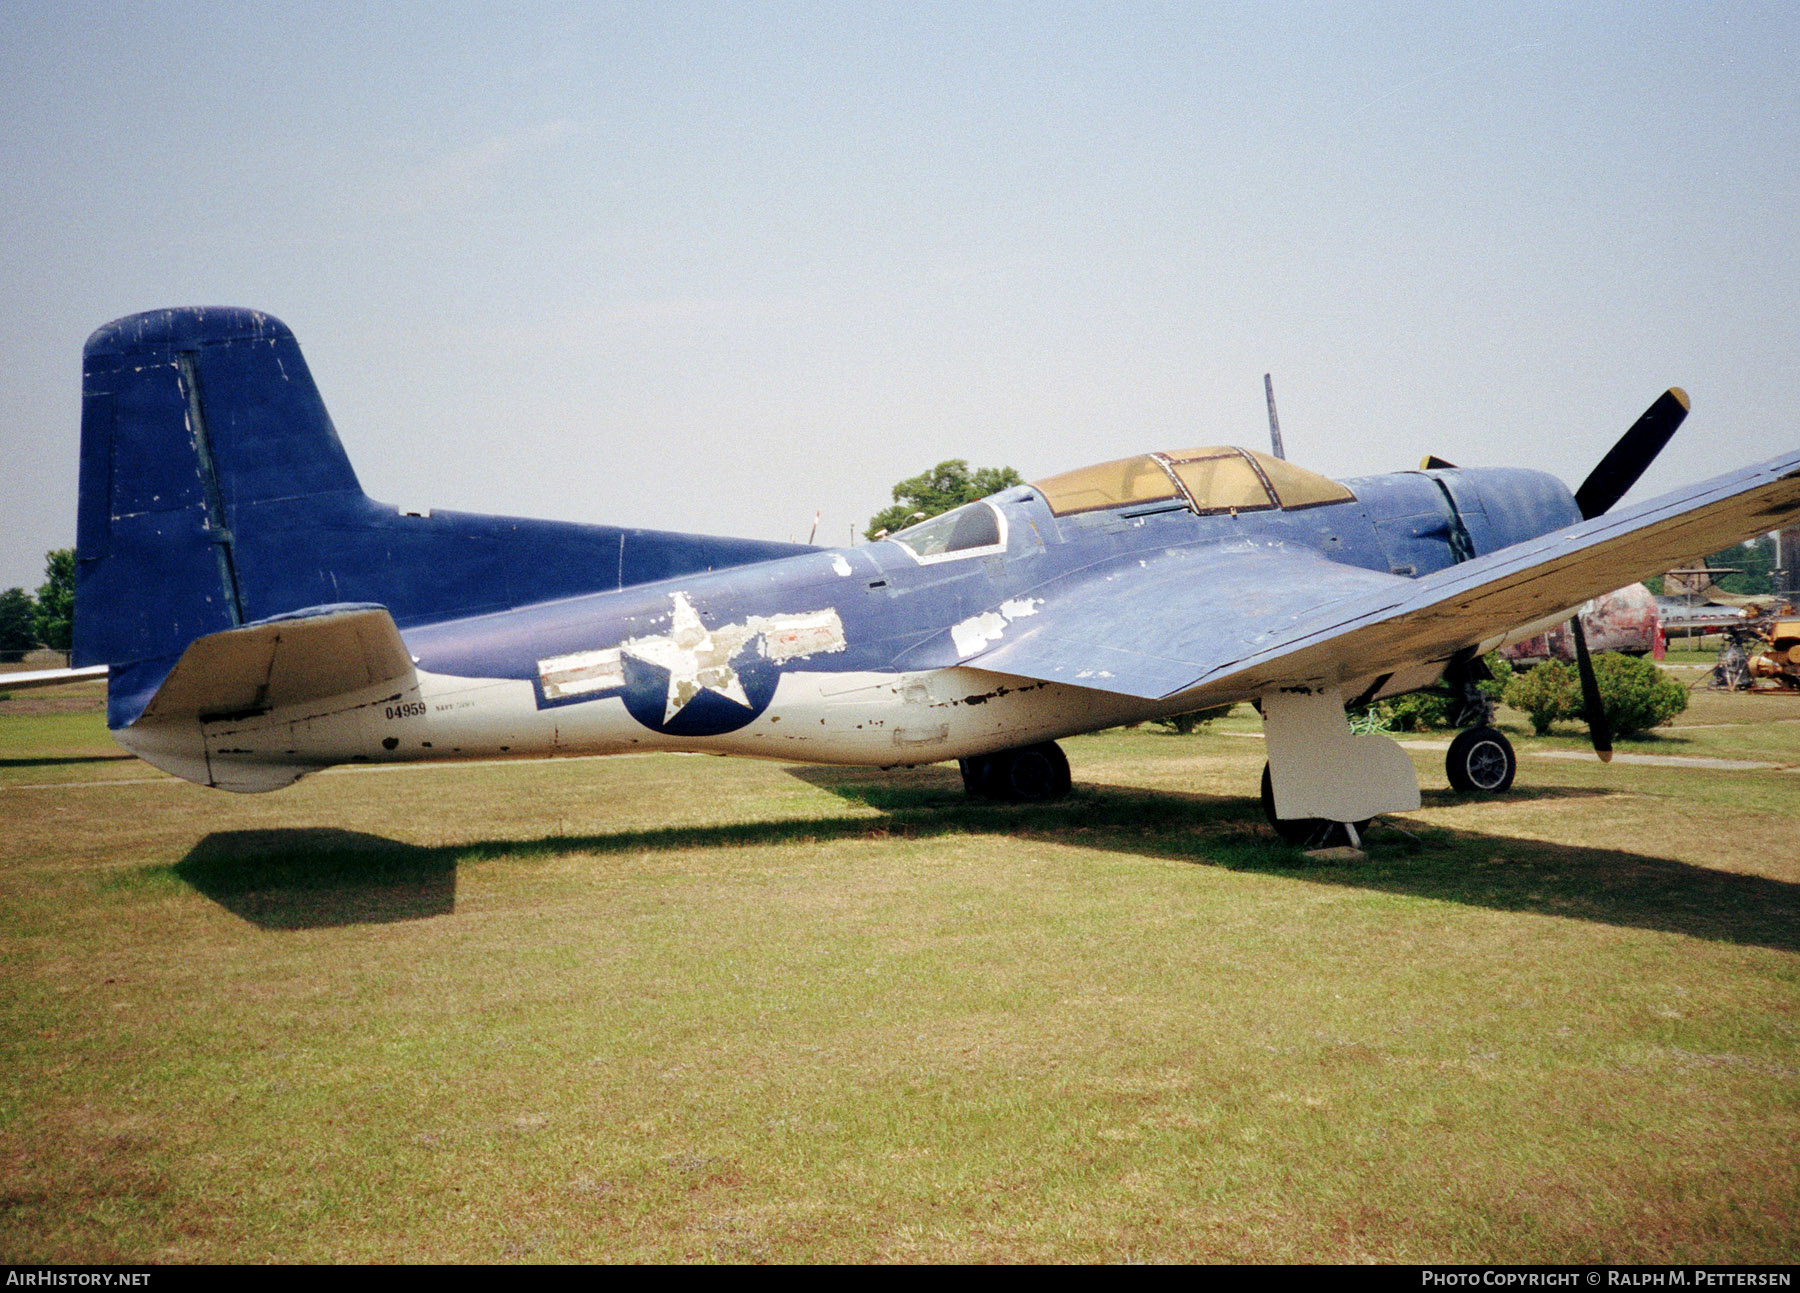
[1648,760]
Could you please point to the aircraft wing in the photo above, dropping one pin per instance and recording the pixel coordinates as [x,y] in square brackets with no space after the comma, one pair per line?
[1236,619]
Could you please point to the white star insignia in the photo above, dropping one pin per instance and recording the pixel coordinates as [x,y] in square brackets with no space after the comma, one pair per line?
[697,658]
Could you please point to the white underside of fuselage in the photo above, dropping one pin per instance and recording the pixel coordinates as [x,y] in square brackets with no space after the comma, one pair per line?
[871,719]
[864,718]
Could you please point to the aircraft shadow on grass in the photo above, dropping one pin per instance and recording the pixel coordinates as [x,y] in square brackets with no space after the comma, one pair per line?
[313,878]
[1608,886]
[318,877]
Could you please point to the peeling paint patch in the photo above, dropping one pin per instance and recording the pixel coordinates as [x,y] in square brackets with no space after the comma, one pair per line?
[696,658]
[922,735]
[838,563]
[974,633]
[796,637]
[564,676]
[982,698]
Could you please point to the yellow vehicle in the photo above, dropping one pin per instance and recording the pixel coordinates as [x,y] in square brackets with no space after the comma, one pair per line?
[1777,668]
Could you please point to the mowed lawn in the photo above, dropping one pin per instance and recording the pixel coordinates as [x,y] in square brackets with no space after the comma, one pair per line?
[681,1008]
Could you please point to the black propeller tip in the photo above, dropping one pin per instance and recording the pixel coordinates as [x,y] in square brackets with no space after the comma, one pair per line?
[1593,708]
[1636,450]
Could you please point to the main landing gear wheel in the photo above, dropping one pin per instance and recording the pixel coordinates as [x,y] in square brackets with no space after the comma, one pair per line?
[1481,761]
[1032,774]
[1310,832]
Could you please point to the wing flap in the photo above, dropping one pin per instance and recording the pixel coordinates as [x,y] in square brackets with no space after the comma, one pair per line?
[1245,617]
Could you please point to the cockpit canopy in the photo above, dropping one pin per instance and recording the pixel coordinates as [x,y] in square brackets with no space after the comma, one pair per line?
[1217,479]
[1213,480]
[970,529]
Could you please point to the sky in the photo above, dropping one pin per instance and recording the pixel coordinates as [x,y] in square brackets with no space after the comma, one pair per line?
[716,268]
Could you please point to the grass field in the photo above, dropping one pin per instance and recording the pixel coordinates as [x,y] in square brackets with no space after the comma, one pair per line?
[696,1009]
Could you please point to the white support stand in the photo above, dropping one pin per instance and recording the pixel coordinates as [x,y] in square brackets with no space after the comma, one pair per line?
[1319,768]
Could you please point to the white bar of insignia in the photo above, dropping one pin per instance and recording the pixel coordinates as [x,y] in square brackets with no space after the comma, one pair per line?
[580,673]
[794,637]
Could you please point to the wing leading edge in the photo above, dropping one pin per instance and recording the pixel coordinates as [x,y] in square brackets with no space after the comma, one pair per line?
[1239,618]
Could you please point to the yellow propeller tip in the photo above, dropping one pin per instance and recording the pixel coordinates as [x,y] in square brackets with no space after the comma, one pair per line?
[1605,756]
[1681,397]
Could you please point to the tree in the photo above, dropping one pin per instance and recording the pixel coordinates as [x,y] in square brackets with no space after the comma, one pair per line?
[18,623]
[947,485]
[1755,560]
[56,599]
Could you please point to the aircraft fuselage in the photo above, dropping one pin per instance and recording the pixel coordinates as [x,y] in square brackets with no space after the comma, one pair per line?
[850,656]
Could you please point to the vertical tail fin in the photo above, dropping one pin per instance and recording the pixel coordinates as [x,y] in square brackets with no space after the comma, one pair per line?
[192,421]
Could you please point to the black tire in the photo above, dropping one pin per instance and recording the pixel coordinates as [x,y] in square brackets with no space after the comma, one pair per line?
[1481,762]
[1032,774]
[977,773]
[1307,832]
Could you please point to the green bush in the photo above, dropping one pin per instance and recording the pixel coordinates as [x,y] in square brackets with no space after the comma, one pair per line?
[1189,723]
[1421,711]
[1370,720]
[1414,712]
[1417,711]
[1636,695]
[1549,691]
[1502,670]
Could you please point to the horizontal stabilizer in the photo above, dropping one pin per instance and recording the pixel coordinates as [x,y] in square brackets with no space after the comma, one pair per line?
[25,681]
[310,655]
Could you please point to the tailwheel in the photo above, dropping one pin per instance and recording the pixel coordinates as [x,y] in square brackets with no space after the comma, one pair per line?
[1481,761]
[1310,832]
[1032,774]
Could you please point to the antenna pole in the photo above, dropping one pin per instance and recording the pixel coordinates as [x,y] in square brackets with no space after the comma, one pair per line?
[1274,422]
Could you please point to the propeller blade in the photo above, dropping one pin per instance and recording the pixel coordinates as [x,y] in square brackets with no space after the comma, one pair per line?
[1594,711]
[1637,449]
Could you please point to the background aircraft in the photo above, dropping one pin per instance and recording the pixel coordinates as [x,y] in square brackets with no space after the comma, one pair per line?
[260,617]
[1624,620]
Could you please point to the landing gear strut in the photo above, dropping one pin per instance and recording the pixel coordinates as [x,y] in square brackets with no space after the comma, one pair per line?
[1032,774]
[1310,832]
[1481,760]
[1469,705]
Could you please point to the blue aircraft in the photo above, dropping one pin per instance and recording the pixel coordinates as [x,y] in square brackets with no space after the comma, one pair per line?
[259,617]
